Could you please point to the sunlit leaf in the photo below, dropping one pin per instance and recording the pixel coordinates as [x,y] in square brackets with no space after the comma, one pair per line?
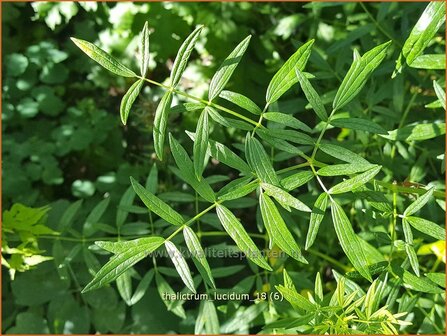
[312,96]
[181,60]
[103,58]
[161,122]
[201,144]
[180,265]
[359,72]
[316,218]
[286,76]
[241,101]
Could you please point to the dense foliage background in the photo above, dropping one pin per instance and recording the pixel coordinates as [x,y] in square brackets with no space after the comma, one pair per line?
[65,151]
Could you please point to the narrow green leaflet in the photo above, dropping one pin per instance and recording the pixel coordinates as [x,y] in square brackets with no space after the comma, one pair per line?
[296,180]
[316,218]
[163,288]
[287,120]
[284,197]
[312,96]
[197,253]
[180,265]
[349,241]
[417,132]
[440,93]
[428,24]
[186,168]
[161,122]
[129,99]
[355,182]
[144,50]
[277,229]
[124,286]
[152,179]
[413,258]
[429,61]
[229,122]
[187,107]
[142,287]
[241,101]
[318,288]
[290,135]
[239,192]
[419,203]
[437,278]
[358,74]
[156,205]
[344,169]
[420,284]
[237,232]
[207,321]
[259,160]
[104,59]
[201,144]
[429,228]
[223,154]
[271,138]
[94,216]
[125,202]
[223,74]
[296,299]
[286,76]
[342,153]
[182,57]
[123,260]
[359,125]
[69,215]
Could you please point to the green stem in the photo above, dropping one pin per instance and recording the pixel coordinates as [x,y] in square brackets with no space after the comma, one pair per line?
[379,26]
[203,101]
[409,190]
[320,137]
[330,259]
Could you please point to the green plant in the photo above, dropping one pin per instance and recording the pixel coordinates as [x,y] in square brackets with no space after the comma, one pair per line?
[259,174]
[265,182]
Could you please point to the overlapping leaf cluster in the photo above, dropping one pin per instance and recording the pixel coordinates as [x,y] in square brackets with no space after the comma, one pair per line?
[322,163]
